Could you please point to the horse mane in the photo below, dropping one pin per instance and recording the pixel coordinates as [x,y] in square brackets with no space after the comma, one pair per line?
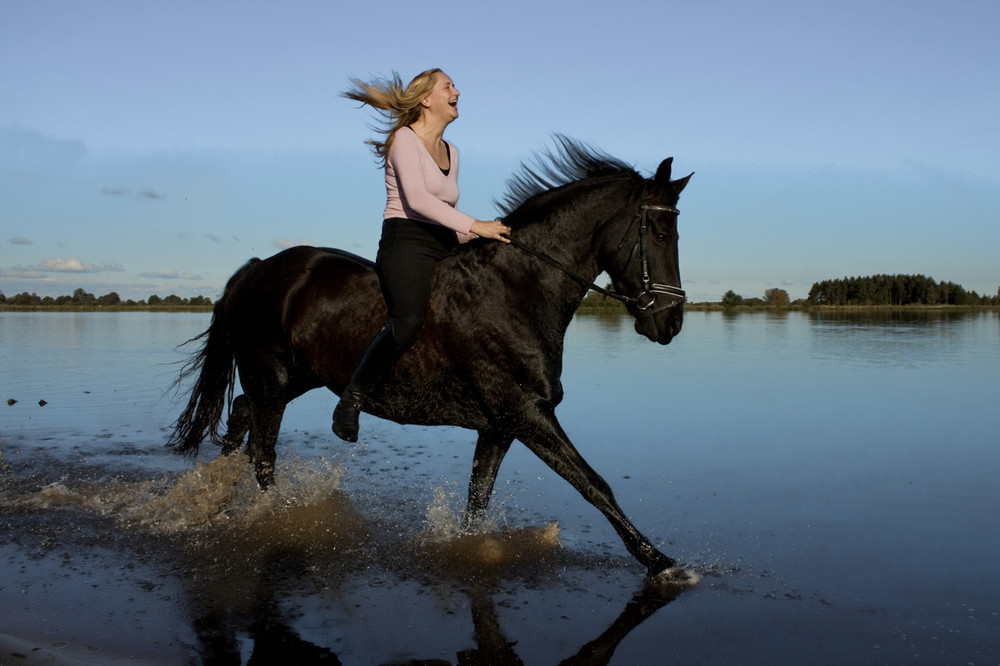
[572,161]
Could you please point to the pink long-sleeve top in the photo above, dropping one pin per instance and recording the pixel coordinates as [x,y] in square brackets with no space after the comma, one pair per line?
[416,189]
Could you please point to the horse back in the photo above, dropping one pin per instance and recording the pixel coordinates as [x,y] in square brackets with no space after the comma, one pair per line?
[307,310]
[314,311]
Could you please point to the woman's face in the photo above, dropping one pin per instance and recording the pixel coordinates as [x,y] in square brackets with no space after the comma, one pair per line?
[443,100]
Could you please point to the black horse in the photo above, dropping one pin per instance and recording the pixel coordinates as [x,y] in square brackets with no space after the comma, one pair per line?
[490,354]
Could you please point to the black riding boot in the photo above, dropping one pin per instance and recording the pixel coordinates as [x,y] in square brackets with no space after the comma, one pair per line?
[382,353]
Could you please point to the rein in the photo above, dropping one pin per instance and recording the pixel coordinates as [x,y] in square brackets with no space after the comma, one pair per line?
[646,298]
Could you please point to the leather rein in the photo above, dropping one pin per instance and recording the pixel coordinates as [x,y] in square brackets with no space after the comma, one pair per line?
[646,297]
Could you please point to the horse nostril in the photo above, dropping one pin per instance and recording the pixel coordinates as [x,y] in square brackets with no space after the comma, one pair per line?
[675,326]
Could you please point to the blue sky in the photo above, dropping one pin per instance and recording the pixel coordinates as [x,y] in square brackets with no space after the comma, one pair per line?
[153,147]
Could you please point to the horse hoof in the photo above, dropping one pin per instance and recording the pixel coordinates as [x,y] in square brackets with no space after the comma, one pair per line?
[675,577]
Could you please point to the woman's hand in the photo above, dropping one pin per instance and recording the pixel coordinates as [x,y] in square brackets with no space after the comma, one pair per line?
[494,229]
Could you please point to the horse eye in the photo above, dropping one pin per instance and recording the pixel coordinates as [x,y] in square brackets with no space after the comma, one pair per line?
[660,238]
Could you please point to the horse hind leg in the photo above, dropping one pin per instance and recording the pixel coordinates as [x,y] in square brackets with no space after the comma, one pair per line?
[491,448]
[265,423]
[263,426]
[237,426]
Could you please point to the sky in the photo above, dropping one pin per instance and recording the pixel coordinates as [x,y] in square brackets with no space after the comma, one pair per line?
[153,147]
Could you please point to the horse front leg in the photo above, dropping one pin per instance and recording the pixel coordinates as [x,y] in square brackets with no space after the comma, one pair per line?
[491,447]
[545,438]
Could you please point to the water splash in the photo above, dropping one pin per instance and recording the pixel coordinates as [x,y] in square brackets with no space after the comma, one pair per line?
[488,546]
[223,520]
[443,521]
[222,491]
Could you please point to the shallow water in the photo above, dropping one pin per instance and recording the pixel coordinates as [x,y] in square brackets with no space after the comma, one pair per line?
[832,478]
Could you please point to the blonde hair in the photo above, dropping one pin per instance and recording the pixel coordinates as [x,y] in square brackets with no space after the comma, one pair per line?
[398,105]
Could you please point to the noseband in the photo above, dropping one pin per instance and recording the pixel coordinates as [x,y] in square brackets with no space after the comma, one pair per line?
[646,298]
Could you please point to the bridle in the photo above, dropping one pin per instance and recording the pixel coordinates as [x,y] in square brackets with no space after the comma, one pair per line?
[646,298]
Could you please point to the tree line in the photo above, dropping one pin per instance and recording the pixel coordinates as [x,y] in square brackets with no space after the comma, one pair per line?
[82,298]
[874,290]
[773,298]
[895,290]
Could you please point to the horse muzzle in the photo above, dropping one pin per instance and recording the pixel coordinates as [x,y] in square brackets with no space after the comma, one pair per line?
[662,325]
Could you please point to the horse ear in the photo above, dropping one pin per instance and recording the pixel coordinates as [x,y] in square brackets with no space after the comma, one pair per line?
[679,185]
[663,172]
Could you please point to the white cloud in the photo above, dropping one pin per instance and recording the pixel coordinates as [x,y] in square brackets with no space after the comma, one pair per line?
[21,273]
[73,265]
[169,275]
[147,193]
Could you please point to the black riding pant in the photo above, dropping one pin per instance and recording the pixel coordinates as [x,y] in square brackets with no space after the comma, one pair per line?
[407,254]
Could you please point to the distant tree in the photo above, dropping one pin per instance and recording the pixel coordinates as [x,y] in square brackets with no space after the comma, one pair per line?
[731,299]
[777,298]
[173,299]
[110,299]
[81,297]
[3,299]
[24,298]
[154,300]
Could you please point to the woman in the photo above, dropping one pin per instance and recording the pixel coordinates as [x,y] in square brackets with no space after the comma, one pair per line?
[420,224]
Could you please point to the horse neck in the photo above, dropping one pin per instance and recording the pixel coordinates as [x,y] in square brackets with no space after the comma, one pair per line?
[573,224]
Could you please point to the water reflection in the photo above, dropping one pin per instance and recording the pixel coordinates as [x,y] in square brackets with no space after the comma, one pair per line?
[896,338]
[274,640]
[892,316]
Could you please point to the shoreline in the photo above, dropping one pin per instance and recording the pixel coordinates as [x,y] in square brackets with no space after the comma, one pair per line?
[105,308]
[614,308]
[617,308]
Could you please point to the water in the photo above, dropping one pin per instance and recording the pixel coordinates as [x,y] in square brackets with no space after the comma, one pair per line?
[832,478]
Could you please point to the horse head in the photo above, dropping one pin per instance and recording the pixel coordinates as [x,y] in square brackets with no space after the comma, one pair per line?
[651,270]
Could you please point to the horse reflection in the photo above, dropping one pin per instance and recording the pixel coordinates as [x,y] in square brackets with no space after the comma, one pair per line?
[275,641]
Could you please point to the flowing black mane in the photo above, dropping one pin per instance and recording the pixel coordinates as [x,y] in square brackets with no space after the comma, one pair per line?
[571,162]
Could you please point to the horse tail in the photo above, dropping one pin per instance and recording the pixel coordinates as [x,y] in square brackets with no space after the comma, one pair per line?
[215,365]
